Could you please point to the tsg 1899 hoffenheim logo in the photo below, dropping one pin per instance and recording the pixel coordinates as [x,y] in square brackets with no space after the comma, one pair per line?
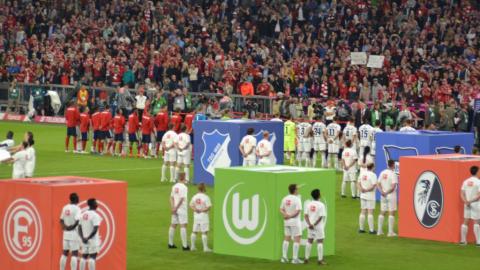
[428,199]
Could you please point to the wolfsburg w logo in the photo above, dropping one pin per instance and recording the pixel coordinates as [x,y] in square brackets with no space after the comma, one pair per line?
[243,224]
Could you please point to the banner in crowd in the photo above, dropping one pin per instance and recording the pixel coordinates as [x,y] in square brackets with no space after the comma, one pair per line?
[358,58]
[375,61]
[14,117]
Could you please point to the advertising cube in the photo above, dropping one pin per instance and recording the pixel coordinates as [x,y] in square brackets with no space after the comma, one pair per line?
[30,212]
[216,144]
[247,219]
[430,206]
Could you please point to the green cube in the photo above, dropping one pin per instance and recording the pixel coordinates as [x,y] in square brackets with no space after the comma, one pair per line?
[247,217]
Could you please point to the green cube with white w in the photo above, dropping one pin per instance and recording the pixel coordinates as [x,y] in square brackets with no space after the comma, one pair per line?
[247,217]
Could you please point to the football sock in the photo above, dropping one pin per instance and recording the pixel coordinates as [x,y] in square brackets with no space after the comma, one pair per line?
[73,263]
[370,223]
[391,224]
[476,232]
[183,236]
[67,142]
[320,251]
[82,263]
[171,233]
[193,239]
[381,218]
[84,145]
[463,233]
[344,185]
[205,241]
[91,264]
[296,247]
[172,173]
[308,249]
[353,188]
[164,171]
[63,262]
[361,222]
[187,173]
[285,249]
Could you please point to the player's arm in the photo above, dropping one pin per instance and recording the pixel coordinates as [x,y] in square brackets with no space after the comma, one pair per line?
[192,206]
[9,160]
[394,186]
[318,221]
[307,220]
[94,232]
[359,186]
[464,198]
[178,205]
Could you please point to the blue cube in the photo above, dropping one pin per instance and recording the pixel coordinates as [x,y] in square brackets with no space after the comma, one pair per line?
[216,144]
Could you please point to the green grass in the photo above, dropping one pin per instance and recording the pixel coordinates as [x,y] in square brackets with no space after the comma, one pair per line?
[148,218]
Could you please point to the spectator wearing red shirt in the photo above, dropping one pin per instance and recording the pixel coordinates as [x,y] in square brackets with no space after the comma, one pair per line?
[84,126]
[96,129]
[118,128]
[105,133]
[133,126]
[161,125]
[72,118]
[176,120]
[147,129]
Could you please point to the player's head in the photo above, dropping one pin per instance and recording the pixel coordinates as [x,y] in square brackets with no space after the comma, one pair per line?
[250,131]
[27,136]
[316,194]
[408,122]
[92,204]
[474,170]
[31,142]
[370,166]
[266,134]
[292,189]
[348,143]
[202,188]
[119,111]
[183,128]
[391,163]
[24,144]
[378,123]
[10,135]
[181,177]
[74,198]
[457,149]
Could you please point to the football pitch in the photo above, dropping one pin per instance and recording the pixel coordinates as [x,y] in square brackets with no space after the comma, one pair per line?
[149,218]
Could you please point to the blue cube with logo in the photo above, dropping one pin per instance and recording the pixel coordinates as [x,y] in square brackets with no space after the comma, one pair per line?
[217,141]
[393,145]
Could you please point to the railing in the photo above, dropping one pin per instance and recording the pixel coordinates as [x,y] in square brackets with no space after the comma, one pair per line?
[66,93]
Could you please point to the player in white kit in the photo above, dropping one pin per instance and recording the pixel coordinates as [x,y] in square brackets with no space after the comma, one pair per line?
[308,147]
[169,153]
[332,132]
[367,182]
[8,143]
[183,147]
[178,204]
[365,159]
[302,130]
[69,219]
[373,139]
[200,204]
[247,148]
[387,186]
[19,160]
[349,133]
[291,208]
[349,162]
[470,194]
[88,229]
[364,132]
[319,142]
[264,150]
[315,217]
[407,126]
[31,159]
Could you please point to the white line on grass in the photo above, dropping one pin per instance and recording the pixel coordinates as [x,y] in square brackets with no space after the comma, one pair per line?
[89,171]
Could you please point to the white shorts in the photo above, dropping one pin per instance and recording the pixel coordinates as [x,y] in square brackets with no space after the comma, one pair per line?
[318,233]
[18,175]
[91,247]
[307,147]
[372,149]
[333,148]
[265,161]
[300,146]
[389,203]
[71,245]
[201,227]
[472,212]
[179,219]
[306,155]
[367,204]
[295,230]
[320,146]
[249,162]
[170,155]
[350,175]
[184,157]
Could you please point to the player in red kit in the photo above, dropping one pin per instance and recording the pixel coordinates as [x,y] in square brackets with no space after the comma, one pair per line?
[188,121]
[105,125]
[133,126]
[176,120]
[72,117]
[161,125]
[96,129]
[118,128]
[84,127]
[147,129]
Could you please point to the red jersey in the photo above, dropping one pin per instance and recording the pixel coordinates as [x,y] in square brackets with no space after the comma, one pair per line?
[189,121]
[133,124]
[176,120]
[105,120]
[147,124]
[118,124]
[72,116]
[161,121]
[84,122]
[96,121]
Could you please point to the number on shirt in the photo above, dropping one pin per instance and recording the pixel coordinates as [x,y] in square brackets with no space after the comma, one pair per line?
[331,132]
[364,134]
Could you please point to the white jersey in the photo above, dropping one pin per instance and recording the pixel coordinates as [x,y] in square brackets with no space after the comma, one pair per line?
[407,129]
[30,163]
[180,191]
[169,138]
[333,130]
[375,130]
[19,162]
[70,215]
[349,156]
[88,221]
[6,144]
[264,148]
[302,130]
[367,180]
[200,201]
[471,187]
[387,179]
[248,144]
[318,128]
[349,133]
[315,210]
[183,139]
[291,204]
[364,132]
